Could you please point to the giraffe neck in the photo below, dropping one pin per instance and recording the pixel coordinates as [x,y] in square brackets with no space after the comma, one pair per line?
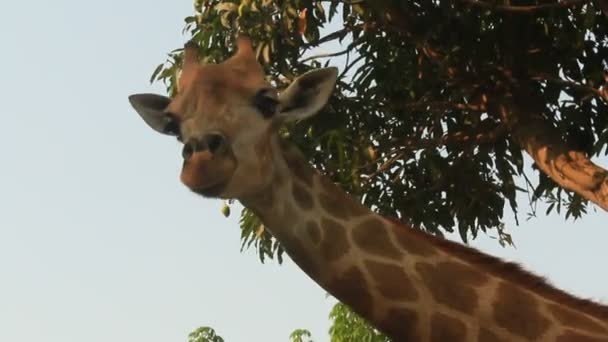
[410,285]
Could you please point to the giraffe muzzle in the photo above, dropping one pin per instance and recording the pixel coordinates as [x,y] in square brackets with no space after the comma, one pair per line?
[214,142]
[208,164]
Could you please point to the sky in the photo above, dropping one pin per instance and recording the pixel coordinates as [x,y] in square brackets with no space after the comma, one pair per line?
[98,239]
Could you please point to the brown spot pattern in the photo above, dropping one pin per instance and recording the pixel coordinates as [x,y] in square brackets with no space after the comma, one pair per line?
[571,336]
[334,244]
[445,328]
[356,209]
[300,168]
[336,202]
[314,232]
[575,319]
[327,185]
[452,283]
[302,196]
[372,237]
[334,206]
[288,212]
[410,242]
[486,335]
[298,253]
[400,324]
[491,265]
[391,281]
[350,287]
[265,199]
[517,311]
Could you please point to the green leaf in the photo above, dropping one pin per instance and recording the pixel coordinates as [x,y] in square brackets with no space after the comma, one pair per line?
[156,72]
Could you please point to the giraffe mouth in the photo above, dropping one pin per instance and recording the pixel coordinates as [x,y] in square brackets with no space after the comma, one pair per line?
[206,174]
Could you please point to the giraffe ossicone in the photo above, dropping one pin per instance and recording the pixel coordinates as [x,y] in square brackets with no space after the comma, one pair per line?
[408,284]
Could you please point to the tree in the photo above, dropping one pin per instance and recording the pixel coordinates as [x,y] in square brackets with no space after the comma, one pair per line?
[437,102]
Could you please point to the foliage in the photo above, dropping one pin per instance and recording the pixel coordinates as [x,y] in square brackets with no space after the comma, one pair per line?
[415,128]
[347,326]
[301,335]
[409,129]
[204,334]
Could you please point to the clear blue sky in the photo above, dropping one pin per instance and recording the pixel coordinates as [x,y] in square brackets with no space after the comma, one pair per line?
[98,239]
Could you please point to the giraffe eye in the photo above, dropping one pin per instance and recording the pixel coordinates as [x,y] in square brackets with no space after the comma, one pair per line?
[266,103]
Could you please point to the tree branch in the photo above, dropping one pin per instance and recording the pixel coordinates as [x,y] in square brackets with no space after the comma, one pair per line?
[325,55]
[458,138]
[350,47]
[331,36]
[570,169]
[386,165]
[524,9]
[602,93]
[440,105]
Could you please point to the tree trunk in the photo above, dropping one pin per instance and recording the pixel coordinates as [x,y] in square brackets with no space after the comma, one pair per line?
[571,169]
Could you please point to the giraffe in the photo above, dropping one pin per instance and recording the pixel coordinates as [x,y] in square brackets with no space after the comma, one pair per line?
[410,285]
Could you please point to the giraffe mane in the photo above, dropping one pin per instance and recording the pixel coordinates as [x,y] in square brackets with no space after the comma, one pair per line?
[515,273]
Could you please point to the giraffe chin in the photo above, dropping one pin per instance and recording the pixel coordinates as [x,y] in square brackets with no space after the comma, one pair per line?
[200,174]
[214,191]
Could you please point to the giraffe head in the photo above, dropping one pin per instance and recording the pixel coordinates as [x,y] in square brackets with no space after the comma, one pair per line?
[227,116]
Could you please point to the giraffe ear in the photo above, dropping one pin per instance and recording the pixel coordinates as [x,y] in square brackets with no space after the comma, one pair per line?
[152,108]
[307,94]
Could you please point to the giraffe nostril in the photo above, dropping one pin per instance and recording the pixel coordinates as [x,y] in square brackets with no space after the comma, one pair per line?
[215,142]
[188,150]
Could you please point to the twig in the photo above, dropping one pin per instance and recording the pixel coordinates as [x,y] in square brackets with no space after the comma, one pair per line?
[524,9]
[601,93]
[386,165]
[325,55]
[442,105]
[334,35]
